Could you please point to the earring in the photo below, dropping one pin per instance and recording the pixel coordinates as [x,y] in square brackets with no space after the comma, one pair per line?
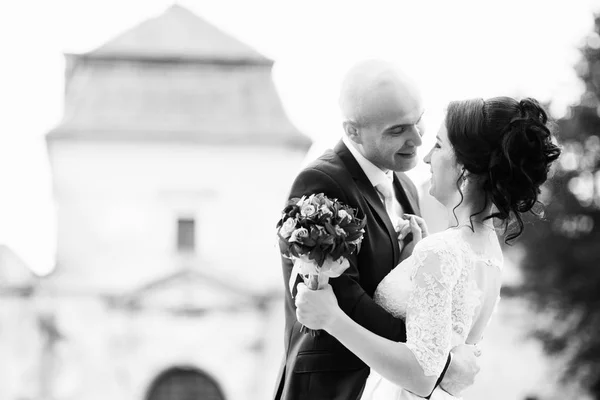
[463,184]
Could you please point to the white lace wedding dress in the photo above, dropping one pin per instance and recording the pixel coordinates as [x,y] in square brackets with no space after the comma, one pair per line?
[446,292]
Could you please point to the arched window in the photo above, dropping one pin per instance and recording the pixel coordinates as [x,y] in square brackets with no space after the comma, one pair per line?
[181,383]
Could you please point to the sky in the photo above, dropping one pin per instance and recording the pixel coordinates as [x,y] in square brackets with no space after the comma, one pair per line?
[453,49]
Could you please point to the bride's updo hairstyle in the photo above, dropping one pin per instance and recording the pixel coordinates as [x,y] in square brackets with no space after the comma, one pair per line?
[507,147]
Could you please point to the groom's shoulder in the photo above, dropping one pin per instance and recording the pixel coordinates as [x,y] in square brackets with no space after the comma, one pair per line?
[328,163]
[325,174]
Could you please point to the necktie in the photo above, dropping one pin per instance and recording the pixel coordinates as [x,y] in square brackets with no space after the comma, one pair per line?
[389,199]
[392,206]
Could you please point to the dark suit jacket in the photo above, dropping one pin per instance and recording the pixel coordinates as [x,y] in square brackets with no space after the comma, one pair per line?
[320,367]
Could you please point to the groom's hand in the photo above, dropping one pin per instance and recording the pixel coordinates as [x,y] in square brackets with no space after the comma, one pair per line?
[462,369]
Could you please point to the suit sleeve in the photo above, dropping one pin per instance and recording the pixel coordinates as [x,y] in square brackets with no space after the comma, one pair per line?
[352,298]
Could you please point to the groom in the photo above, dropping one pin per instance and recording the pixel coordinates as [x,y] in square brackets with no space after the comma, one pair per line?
[382,111]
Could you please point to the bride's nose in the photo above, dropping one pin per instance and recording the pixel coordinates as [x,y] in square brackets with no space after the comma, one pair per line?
[427,158]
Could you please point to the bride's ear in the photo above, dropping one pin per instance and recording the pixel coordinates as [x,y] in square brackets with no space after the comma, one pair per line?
[469,176]
[352,132]
[464,173]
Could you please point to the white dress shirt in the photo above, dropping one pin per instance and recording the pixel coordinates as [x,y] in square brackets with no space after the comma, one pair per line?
[378,177]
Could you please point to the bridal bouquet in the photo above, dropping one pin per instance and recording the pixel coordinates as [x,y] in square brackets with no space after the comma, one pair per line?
[318,234]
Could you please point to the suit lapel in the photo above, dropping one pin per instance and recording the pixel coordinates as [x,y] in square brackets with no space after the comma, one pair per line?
[408,202]
[369,193]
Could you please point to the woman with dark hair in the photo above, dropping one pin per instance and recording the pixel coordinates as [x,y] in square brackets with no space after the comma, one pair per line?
[488,163]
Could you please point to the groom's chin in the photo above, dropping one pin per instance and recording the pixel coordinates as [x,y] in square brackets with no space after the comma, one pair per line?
[405,164]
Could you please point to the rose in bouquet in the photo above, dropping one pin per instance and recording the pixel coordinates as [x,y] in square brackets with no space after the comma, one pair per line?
[319,234]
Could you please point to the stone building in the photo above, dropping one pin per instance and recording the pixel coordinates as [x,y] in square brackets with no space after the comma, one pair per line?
[170,168]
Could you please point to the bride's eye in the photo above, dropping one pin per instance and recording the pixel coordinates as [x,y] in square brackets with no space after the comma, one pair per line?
[437,146]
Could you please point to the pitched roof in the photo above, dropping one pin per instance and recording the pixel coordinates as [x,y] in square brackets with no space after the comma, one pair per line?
[177,33]
[201,104]
[175,78]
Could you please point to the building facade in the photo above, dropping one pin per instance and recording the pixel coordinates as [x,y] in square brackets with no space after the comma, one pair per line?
[170,168]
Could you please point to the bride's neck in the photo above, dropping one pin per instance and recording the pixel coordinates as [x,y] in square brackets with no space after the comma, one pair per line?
[471,214]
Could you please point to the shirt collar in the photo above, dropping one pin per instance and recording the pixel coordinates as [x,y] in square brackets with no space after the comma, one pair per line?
[375,175]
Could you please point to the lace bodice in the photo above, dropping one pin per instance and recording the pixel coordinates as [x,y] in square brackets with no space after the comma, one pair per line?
[436,291]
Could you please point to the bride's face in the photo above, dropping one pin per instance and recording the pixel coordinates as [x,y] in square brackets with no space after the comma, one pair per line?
[444,170]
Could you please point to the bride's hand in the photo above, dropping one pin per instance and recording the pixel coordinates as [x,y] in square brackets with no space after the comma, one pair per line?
[418,227]
[316,309]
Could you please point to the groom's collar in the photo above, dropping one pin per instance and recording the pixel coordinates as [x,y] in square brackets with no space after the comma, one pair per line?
[374,174]
[408,201]
[350,163]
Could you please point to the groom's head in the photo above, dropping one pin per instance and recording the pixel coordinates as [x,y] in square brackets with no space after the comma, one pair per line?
[382,109]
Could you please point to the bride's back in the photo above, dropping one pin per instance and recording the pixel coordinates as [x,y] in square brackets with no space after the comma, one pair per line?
[487,275]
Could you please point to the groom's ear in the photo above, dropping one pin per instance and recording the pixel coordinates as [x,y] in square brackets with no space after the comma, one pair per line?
[352,131]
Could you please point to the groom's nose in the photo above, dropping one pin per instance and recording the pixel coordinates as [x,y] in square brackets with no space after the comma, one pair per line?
[414,136]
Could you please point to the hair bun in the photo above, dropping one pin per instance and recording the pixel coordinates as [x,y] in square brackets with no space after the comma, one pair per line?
[521,162]
[530,108]
[518,166]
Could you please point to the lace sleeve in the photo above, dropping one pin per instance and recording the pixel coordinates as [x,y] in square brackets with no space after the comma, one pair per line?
[429,311]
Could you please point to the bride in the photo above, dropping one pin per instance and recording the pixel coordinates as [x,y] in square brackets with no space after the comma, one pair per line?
[488,163]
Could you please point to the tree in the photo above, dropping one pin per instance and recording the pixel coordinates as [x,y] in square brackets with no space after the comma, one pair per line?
[561,266]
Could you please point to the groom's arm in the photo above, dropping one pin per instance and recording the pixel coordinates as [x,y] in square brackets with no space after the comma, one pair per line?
[351,296]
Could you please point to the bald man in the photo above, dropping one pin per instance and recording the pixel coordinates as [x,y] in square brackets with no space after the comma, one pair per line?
[382,110]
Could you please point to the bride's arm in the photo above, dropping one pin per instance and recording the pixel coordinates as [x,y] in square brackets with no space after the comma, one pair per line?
[416,364]
[392,360]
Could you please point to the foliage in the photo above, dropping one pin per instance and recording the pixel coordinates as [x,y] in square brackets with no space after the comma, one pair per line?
[561,266]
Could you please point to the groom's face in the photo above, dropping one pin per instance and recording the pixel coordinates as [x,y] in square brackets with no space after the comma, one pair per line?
[390,139]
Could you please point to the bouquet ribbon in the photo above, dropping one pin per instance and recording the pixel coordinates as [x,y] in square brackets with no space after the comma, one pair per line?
[304,266]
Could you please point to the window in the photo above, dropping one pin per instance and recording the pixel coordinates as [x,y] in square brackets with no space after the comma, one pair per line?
[186,234]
